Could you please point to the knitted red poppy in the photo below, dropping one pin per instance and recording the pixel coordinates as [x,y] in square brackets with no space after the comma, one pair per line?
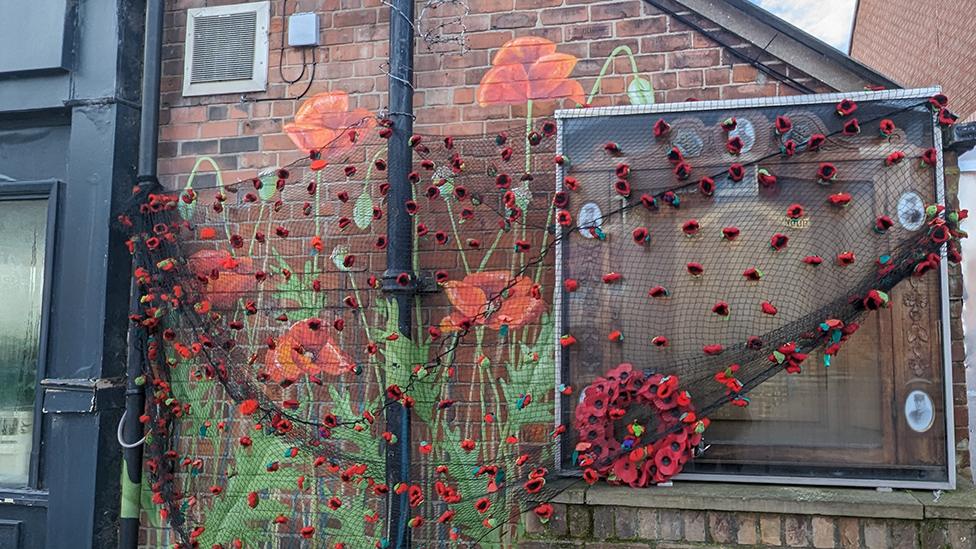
[661,128]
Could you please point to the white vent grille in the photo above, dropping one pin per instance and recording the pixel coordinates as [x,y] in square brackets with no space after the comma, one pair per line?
[226,49]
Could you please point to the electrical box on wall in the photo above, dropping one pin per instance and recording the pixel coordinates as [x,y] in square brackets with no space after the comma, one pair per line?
[303,30]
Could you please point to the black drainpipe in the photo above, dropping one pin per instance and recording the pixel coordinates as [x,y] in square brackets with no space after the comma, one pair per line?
[132,429]
[399,253]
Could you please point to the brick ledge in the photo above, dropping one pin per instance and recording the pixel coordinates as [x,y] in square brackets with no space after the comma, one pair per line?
[959,504]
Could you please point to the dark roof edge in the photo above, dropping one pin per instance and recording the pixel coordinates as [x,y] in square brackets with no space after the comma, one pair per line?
[814,43]
[821,52]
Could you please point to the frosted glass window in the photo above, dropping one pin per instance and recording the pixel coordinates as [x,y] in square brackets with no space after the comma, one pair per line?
[23,225]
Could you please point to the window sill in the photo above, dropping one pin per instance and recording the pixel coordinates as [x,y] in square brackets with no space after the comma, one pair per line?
[28,497]
[959,504]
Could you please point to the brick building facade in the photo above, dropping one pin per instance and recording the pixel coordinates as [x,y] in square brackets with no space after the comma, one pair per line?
[687,49]
[937,36]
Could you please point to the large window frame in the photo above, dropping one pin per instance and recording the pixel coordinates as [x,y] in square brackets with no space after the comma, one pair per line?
[48,190]
[943,330]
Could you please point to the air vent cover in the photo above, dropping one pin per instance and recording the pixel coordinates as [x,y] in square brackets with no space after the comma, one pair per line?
[226,49]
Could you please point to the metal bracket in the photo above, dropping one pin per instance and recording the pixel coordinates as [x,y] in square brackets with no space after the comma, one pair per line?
[82,396]
[420,283]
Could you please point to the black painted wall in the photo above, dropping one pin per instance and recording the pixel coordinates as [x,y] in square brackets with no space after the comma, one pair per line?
[69,110]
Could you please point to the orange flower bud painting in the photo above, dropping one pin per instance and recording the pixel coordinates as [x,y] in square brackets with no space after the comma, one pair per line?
[324,124]
[529,69]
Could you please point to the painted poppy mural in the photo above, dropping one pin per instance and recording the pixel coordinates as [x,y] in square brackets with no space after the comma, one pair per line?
[529,69]
[324,124]
[305,349]
[493,299]
[684,281]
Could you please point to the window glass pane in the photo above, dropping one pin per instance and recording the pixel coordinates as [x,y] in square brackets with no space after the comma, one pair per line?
[23,225]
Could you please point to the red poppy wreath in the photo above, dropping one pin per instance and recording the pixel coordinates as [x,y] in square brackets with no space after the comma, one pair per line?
[635,428]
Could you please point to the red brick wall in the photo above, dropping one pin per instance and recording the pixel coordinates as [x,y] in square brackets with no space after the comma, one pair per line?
[244,135]
[679,62]
[920,44]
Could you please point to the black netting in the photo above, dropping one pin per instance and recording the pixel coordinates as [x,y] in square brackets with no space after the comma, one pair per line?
[653,285]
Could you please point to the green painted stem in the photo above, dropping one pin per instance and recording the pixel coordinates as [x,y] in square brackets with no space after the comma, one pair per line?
[220,184]
[457,236]
[606,65]
[491,250]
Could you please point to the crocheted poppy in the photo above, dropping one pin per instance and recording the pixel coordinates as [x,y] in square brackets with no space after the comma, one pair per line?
[549,128]
[695,269]
[883,223]
[851,127]
[947,118]
[839,199]
[846,107]
[713,349]
[795,211]
[675,156]
[660,341]
[813,260]
[682,170]
[706,186]
[939,101]
[736,172]
[930,156]
[886,127]
[648,201]
[691,227]
[570,183]
[611,148]
[788,148]
[734,145]
[564,218]
[661,128]
[875,299]
[658,291]
[753,274]
[845,258]
[940,234]
[610,278]
[728,124]
[504,181]
[721,308]
[783,124]
[622,186]
[641,236]
[894,158]
[768,308]
[816,141]
[826,172]
[779,241]
[730,233]
[560,199]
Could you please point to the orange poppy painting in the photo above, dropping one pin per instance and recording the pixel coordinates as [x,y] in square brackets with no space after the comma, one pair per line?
[529,69]
[304,351]
[234,276]
[324,123]
[516,307]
